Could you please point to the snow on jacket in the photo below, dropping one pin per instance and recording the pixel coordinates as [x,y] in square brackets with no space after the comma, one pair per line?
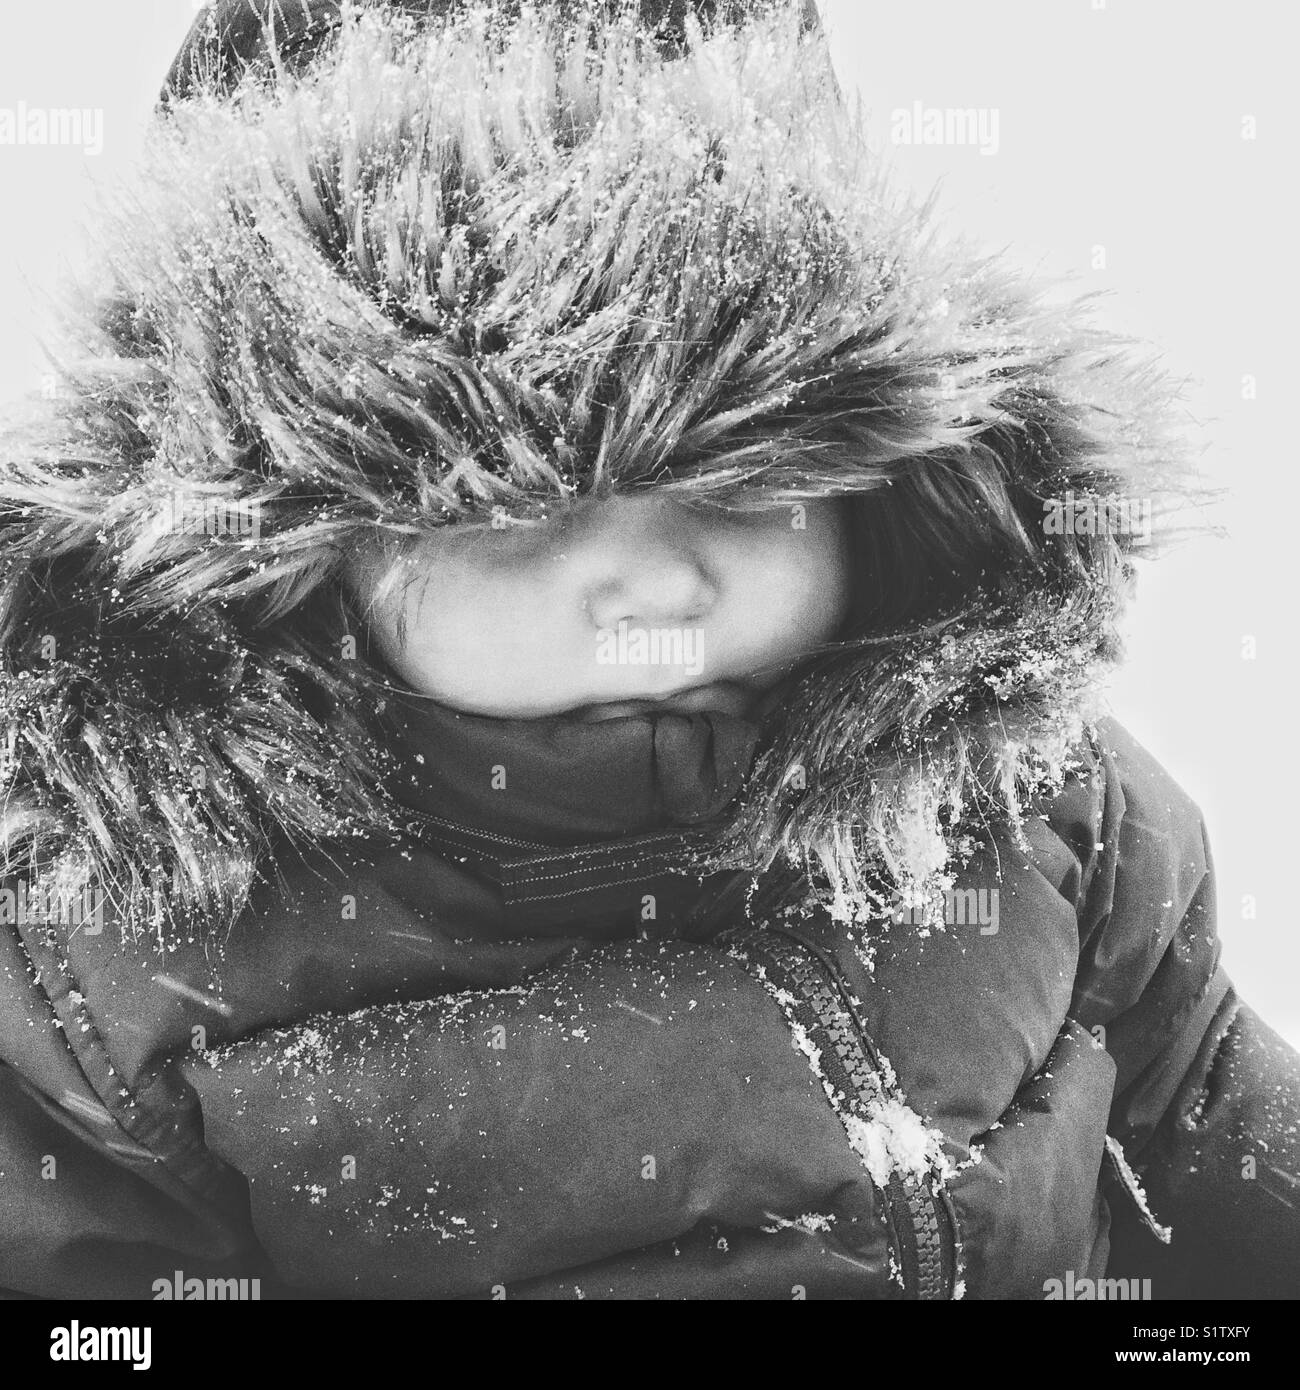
[322,1006]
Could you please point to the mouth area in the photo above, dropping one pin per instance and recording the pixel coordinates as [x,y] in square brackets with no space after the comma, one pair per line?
[717,697]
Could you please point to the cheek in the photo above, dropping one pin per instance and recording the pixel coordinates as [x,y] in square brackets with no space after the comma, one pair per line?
[472,626]
[795,582]
[452,617]
[399,601]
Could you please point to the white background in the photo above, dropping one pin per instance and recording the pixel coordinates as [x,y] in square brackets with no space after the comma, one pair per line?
[1120,125]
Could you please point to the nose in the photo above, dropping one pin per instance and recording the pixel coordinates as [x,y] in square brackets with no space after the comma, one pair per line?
[642,562]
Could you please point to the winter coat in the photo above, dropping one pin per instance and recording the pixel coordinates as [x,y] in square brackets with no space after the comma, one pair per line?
[351,996]
[475,1062]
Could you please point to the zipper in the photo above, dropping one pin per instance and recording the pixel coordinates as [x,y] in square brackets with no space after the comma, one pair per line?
[920,1218]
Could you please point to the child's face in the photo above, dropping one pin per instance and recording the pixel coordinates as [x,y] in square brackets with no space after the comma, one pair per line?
[614,607]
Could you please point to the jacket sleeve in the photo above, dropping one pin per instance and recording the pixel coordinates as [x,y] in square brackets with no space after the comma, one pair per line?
[474,1142]
[1207,1097]
[88,1209]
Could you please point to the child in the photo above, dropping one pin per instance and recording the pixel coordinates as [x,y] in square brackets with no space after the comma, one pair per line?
[548,713]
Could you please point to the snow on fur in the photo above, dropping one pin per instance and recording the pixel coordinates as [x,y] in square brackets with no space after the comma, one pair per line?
[482,264]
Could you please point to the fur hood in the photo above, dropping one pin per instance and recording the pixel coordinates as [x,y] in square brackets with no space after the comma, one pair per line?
[470,266]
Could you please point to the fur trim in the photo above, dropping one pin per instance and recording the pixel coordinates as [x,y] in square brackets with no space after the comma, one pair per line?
[536,260]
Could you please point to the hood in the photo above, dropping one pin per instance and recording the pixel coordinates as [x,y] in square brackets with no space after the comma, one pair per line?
[462,265]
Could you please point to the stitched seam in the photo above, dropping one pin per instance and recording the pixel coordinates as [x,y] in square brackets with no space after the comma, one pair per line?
[522,869]
[621,881]
[465,840]
[431,819]
[672,844]
[93,1040]
[653,863]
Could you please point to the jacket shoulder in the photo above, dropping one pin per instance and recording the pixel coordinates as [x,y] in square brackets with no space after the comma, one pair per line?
[1148,976]
[1137,840]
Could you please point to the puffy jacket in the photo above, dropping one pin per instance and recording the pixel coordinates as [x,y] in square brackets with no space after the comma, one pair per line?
[474,1064]
[453,1039]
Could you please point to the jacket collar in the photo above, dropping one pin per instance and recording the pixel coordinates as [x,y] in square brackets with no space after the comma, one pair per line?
[557,782]
[575,826]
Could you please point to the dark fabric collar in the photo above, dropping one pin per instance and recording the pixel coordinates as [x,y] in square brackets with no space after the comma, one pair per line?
[594,828]
[557,782]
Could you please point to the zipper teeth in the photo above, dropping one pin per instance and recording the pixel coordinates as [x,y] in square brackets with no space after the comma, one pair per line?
[929,1244]
[854,1068]
[933,1221]
[923,1205]
[863,1070]
[810,1002]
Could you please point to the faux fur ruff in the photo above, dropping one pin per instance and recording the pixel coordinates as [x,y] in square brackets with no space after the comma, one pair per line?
[482,265]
